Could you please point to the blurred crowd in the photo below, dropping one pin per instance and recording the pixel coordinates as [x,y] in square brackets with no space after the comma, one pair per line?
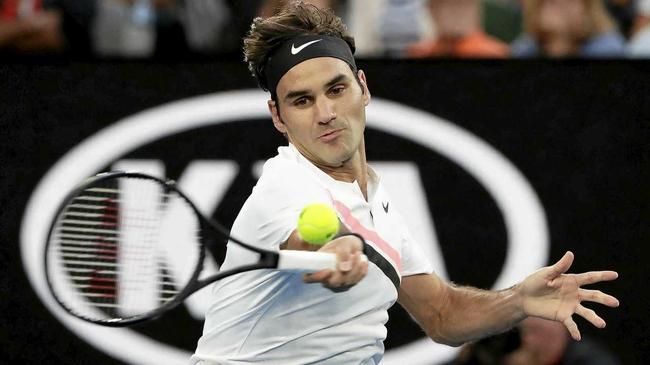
[382,28]
[100,29]
[535,341]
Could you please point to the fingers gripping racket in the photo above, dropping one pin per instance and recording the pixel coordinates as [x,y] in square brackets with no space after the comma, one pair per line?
[127,247]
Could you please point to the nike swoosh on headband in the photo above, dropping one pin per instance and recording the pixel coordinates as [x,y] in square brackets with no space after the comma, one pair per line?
[295,51]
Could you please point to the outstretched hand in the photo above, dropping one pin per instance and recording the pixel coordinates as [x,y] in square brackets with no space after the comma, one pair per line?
[553,294]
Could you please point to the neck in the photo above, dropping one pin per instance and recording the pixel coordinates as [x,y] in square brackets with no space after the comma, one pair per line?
[354,169]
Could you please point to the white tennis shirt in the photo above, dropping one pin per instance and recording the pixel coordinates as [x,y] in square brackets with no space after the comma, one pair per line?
[272,317]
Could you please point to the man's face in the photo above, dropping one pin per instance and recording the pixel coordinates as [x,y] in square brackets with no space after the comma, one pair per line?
[566,18]
[322,110]
[455,18]
[562,25]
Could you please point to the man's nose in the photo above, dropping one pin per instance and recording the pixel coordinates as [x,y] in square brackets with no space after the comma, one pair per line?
[325,111]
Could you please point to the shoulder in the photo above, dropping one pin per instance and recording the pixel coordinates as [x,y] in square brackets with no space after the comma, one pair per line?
[524,46]
[287,178]
[604,45]
[481,44]
[639,45]
[285,172]
[423,49]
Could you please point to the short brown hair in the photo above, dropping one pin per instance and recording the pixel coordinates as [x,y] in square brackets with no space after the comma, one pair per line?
[296,18]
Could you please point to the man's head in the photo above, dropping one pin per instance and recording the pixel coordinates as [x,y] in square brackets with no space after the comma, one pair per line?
[456,18]
[562,26]
[297,19]
[303,56]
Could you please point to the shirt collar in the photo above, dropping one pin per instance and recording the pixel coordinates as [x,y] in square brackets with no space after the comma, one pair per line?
[373,178]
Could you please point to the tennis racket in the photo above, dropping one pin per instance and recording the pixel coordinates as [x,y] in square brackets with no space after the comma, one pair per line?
[128,247]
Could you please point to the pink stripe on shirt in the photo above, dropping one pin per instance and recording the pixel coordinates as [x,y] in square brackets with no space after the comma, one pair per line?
[355,226]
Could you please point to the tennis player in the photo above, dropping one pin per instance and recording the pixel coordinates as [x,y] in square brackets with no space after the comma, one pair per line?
[304,58]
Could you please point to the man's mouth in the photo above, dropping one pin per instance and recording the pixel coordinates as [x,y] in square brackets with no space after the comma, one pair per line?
[331,135]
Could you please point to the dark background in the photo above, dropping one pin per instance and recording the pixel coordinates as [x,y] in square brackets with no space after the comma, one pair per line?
[578,130]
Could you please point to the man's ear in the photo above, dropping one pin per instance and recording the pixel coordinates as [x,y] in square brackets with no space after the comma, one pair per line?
[275,115]
[364,86]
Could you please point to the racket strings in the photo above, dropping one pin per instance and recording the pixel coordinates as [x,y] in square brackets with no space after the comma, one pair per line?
[86,241]
[112,246]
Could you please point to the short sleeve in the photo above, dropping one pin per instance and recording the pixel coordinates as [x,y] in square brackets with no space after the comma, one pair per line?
[414,260]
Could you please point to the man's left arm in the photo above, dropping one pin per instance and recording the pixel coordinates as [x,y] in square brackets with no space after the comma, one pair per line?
[453,315]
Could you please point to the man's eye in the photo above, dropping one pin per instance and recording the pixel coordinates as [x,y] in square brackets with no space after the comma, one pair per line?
[301,101]
[337,90]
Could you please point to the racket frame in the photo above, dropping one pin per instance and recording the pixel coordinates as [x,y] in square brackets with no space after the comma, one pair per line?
[268,259]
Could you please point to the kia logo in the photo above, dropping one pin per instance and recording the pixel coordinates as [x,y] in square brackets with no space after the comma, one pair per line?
[523,215]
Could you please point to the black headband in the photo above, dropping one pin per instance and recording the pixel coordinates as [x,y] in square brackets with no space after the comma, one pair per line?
[302,48]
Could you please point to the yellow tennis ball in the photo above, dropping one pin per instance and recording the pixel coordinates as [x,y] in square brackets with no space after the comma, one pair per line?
[318,224]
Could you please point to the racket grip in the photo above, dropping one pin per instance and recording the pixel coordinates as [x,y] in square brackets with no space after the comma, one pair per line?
[306,260]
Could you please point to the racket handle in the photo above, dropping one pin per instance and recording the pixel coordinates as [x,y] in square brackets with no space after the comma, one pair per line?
[306,260]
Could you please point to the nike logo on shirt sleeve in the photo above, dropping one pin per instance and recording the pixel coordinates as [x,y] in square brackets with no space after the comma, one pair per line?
[295,50]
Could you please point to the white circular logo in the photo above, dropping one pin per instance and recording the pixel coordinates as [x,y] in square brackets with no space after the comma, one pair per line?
[521,209]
